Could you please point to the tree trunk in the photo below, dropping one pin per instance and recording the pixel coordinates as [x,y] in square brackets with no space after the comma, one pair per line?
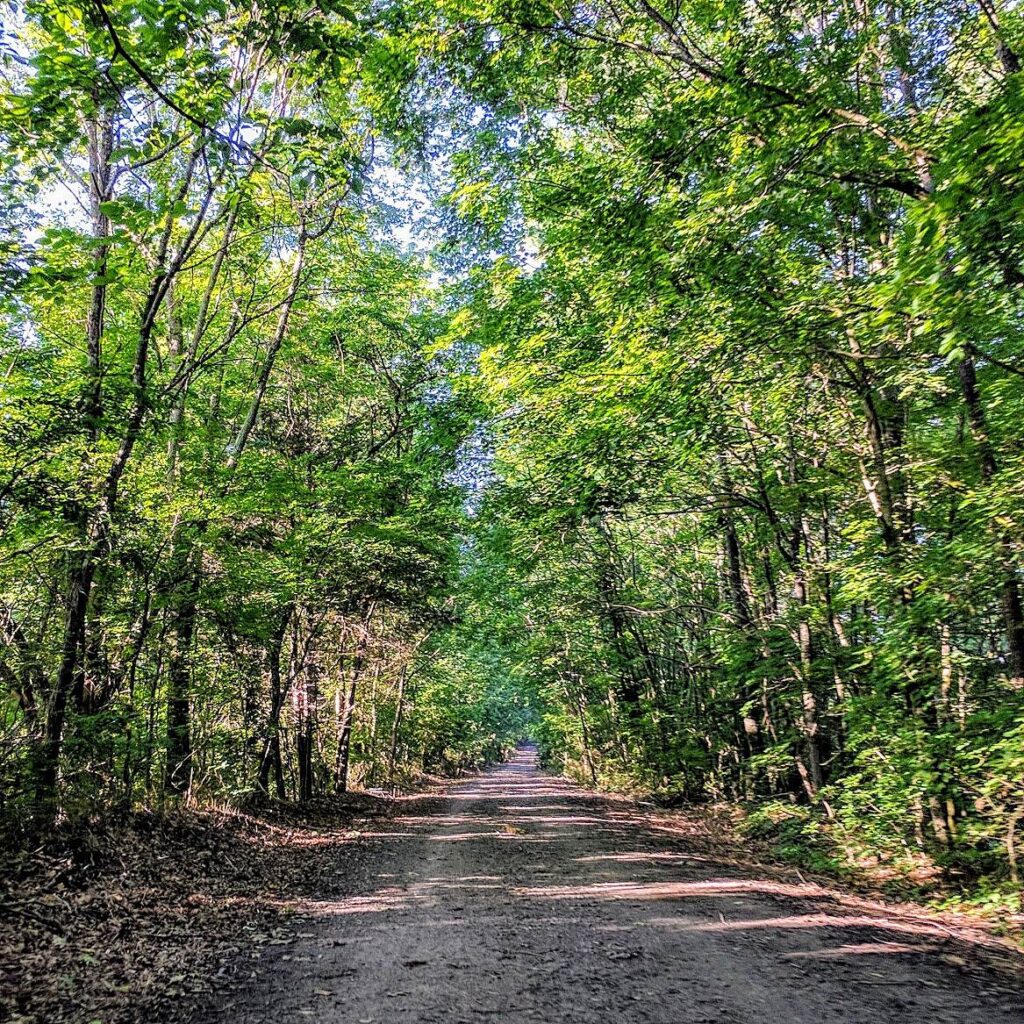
[99,523]
[809,701]
[396,726]
[178,769]
[242,437]
[341,764]
[271,755]
[1009,590]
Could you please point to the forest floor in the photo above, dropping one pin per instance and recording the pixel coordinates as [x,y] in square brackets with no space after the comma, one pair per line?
[512,895]
[140,921]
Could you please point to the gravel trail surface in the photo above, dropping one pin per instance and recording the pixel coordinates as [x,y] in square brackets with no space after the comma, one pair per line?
[516,896]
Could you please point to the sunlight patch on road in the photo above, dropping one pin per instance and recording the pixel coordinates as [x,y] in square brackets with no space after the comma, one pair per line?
[855,949]
[666,890]
[462,837]
[812,921]
[383,900]
[639,857]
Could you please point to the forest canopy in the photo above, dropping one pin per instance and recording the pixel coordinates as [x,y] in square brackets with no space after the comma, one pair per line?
[383,383]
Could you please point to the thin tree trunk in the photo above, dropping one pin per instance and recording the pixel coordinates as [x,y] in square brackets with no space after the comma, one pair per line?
[341,765]
[1009,589]
[270,757]
[242,437]
[178,770]
[396,726]
[809,701]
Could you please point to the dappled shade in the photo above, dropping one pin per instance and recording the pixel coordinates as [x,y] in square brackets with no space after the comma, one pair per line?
[580,909]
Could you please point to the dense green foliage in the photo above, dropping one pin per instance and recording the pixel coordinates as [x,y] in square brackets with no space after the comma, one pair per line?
[707,451]
[230,532]
[750,331]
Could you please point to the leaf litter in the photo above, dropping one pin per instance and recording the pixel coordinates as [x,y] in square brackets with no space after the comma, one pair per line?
[140,920]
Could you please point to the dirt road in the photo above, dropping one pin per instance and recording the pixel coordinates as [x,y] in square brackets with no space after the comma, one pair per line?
[519,897]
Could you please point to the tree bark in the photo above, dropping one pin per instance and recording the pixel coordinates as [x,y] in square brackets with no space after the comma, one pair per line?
[344,751]
[396,726]
[1009,588]
[270,757]
[178,769]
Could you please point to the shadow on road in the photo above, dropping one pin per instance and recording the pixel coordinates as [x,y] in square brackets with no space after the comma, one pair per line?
[517,896]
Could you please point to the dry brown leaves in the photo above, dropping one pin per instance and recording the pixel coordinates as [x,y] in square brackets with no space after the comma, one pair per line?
[135,923]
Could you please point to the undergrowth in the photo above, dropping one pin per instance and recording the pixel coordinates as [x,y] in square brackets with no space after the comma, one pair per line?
[970,880]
